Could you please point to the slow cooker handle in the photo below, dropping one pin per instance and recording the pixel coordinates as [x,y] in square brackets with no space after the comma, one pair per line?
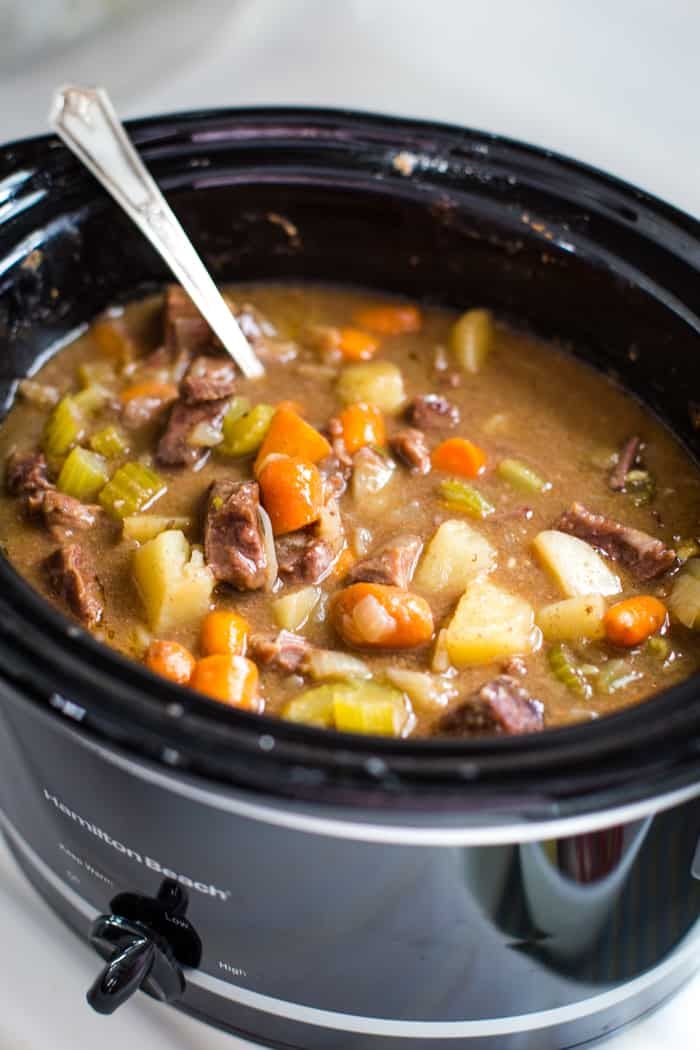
[122,976]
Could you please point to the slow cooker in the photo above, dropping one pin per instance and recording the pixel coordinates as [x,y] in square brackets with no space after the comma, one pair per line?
[305,888]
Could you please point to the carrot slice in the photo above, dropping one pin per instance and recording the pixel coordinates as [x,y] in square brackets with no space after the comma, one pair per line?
[390,318]
[632,621]
[290,435]
[230,678]
[171,660]
[113,339]
[223,631]
[459,456]
[356,345]
[363,424]
[150,388]
[292,493]
[376,616]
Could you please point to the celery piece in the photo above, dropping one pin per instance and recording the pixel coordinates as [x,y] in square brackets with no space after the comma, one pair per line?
[109,442]
[83,475]
[238,406]
[616,674]
[314,707]
[522,477]
[98,373]
[244,434]
[371,708]
[471,339]
[133,487]
[92,398]
[460,496]
[658,648]
[687,549]
[640,486]
[64,428]
[562,666]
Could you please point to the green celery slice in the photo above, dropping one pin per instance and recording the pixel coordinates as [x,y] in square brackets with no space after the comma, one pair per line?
[244,434]
[522,477]
[134,487]
[83,475]
[562,666]
[64,428]
[109,442]
[461,496]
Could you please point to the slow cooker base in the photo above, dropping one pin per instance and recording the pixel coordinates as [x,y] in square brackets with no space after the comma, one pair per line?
[281,1033]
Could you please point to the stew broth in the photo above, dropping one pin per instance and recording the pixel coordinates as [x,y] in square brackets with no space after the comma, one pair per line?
[528,402]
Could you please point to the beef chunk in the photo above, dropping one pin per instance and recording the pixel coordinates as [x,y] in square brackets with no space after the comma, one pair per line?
[208,379]
[499,706]
[64,515]
[26,473]
[335,436]
[72,578]
[174,449]
[410,447]
[233,535]
[184,327]
[394,564]
[284,651]
[303,557]
[432,412]
[625,462]
[645,556]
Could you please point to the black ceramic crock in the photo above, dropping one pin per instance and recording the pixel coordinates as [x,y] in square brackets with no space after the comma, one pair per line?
[305,888]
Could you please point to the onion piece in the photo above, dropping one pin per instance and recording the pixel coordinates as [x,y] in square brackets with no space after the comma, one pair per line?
[204,435]
[270,550]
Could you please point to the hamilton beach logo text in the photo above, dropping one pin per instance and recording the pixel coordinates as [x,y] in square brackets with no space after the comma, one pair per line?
[132,854]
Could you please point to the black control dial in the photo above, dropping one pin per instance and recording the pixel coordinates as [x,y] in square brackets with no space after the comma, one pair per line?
[146,941]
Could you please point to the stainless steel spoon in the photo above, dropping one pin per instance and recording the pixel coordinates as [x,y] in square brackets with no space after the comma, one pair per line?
[88,124]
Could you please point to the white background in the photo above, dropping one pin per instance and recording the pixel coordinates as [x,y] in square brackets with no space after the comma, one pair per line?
[612,82]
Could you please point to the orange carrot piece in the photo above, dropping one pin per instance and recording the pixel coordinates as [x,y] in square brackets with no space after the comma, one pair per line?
[632,621]
[223,631]
[230,678]
[356,345]
[290,435]
[149,388]
[376,616]
[292,493]
[363,424]
[390,318]
[113,339]
[459,456]
[171,660]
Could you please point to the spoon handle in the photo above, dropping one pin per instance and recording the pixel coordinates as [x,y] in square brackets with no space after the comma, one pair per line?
[87,122]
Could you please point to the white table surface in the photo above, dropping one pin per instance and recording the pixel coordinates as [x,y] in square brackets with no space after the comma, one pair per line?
[612,82]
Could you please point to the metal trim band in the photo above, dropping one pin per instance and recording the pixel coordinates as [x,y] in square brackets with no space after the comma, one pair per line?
[380,1026]
[282,815]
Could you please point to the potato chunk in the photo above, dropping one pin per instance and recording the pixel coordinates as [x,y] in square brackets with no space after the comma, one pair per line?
[456,554]
[574,619]
[378,382]
[684,601]
[174,583]
[291,611]
[574,566]
[489,624]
